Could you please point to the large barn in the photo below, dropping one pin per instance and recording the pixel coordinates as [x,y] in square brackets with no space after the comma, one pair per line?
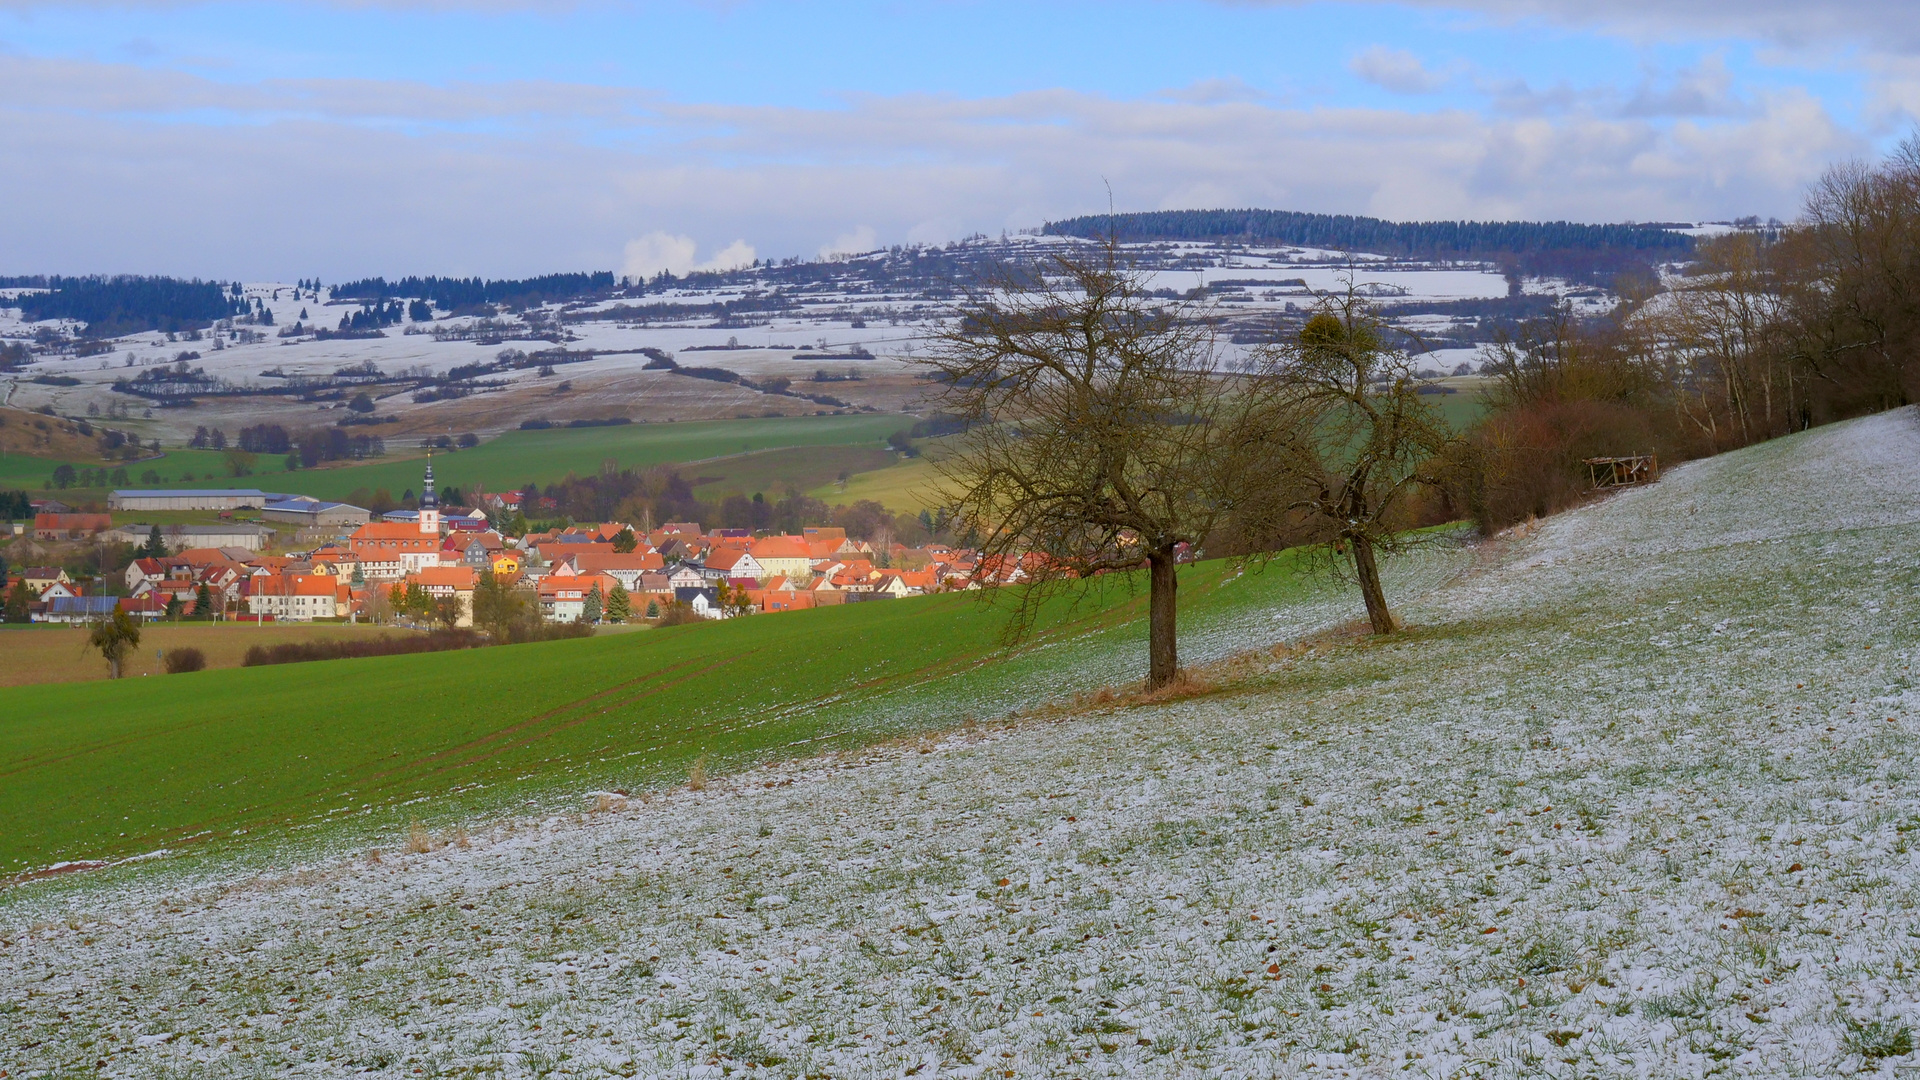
[190,499]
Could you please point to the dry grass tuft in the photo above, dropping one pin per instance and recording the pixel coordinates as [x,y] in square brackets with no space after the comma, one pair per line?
[418,841]
[1186,683]
[460,839]
[607,801]
[697,774]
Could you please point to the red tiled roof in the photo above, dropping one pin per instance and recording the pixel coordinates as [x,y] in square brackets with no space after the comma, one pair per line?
[780,547]
[457,578]
[589,561]
[393,530]
[69,522]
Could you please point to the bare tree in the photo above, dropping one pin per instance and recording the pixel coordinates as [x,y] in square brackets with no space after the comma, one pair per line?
[1856,305]
[1348,437]
[1105,440]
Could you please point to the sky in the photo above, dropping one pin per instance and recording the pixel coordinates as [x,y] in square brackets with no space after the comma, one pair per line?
[275,141]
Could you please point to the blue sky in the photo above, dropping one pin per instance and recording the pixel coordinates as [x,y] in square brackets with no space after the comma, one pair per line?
[293,139]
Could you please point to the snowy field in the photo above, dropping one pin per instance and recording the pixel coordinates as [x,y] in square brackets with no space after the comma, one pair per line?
[1635,796]
[895,324]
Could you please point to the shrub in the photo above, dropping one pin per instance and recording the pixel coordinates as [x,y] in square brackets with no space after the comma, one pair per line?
[679,614]
[181,661]
[1525,461]
[534,629]
[298,652]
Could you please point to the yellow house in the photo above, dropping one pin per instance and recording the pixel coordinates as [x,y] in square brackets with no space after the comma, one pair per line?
[788,555]
[506,563]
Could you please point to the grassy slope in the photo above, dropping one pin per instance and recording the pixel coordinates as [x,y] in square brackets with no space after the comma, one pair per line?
[104,769]
[508,461]
[770,472]
[908,486]
[56,654]
[904,487]
[1638,799]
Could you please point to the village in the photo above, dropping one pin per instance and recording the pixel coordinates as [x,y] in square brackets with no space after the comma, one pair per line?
[424,566]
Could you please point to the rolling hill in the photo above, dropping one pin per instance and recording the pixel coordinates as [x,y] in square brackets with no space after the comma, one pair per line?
[105,770]
[1634,797]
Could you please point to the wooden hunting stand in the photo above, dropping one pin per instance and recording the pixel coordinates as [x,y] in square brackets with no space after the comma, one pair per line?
[1606,472]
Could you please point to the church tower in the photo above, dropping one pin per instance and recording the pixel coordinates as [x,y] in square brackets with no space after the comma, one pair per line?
[429,503]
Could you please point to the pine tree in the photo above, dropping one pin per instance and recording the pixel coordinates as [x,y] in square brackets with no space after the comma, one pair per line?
[625,542]
[619,605]
[203,602]
[156,547]
[173,606]
[415,601]
[653,608]
[591,613]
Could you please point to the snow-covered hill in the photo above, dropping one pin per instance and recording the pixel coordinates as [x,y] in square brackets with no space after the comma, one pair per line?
[1634,799]
[866,312]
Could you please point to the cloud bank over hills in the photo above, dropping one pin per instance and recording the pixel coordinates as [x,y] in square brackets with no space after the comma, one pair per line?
[345,160]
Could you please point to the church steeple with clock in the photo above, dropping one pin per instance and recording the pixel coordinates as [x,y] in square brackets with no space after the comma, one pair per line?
[429,503]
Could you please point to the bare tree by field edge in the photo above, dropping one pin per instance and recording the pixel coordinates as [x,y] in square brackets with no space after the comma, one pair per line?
[1104,440]
[1351,440]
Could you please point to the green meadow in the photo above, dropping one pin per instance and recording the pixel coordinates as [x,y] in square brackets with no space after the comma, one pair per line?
[513,458]
[360,747]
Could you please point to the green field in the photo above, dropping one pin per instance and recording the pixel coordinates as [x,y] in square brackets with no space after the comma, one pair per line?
[509,461]
[517,457]
[904,487]
[813,469]
[98,770]
[908,486]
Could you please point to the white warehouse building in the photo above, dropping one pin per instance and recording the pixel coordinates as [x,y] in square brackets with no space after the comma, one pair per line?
[189,499]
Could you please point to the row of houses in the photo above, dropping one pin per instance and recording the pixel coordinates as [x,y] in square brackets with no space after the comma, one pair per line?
[566,574]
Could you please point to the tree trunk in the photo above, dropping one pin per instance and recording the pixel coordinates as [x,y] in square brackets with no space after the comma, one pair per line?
[1368,572]
[113,667]
[1163,657]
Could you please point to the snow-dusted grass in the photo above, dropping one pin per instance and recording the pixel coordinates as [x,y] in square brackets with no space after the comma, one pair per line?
[1635,800]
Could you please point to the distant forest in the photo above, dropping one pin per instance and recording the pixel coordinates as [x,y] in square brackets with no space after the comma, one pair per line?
[1564,248]
[125,304]
[452,294]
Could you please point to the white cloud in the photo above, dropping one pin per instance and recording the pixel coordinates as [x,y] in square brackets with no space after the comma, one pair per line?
[1703,90]
[1889,25]
[732,257]
[861,239]
[675,254]
[293,180]
[1397,70]
[1215,91]
[1895,100]
[656,252]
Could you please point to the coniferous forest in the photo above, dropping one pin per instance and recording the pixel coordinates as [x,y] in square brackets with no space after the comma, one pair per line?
[125,303]
[450,294]
[1567,248]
